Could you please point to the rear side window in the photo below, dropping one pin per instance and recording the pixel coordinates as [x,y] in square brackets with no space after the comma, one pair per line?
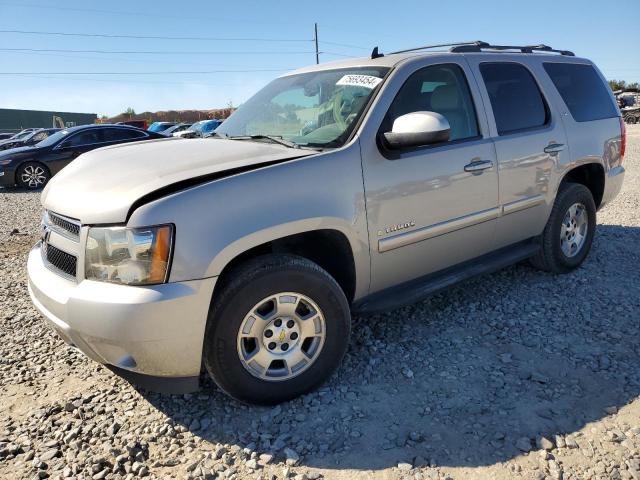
[516,100]
[116,134]
[88,137]
[582,89]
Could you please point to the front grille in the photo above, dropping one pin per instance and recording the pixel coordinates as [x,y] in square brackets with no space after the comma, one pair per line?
[65,226]
[59,260]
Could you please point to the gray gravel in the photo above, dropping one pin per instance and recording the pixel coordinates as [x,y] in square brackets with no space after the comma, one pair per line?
[515,375]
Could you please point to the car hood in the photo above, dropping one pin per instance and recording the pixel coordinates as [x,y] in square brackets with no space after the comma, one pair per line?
[18,152]
[101,186]
[4,143]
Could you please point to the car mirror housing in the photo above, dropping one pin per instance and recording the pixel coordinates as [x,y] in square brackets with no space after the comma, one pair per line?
[417,129]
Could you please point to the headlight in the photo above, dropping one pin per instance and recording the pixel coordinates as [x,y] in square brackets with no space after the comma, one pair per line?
[132,256]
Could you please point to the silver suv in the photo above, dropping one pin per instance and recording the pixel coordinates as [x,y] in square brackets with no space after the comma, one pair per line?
[356,186]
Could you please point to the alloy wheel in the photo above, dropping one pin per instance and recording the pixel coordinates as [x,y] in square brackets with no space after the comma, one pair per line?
[33,176]
[281,336]
[573,231]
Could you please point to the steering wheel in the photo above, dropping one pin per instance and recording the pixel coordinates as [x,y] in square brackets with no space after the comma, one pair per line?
[340,119]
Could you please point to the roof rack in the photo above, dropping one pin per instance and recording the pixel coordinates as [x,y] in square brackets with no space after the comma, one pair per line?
[479,46]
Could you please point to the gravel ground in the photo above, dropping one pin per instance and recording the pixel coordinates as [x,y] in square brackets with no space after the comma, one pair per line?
[519,374]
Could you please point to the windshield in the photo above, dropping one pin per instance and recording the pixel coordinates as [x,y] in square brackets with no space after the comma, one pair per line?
[318,109]
[210,126]
[21,135]
[197,127]
[159,126]
[30,135]
[53,138]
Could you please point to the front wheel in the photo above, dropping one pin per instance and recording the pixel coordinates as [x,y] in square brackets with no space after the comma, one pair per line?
[32,175]
[567,237]
[277,329]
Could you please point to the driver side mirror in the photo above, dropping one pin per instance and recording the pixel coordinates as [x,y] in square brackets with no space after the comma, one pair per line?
[417,129]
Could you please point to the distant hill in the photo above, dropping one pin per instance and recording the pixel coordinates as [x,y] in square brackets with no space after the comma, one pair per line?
[188,116]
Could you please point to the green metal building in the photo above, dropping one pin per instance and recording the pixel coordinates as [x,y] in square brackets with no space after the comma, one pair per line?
[15,120]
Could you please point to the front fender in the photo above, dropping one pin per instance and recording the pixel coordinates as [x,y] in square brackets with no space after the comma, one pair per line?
[275,232]
[217,221]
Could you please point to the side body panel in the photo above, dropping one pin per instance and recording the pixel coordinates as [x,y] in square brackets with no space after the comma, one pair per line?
[58,158]
[596,141]
[219,220]
[446,215]
[527,174]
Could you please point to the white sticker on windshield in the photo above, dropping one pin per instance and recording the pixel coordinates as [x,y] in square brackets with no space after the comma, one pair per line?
[366,81]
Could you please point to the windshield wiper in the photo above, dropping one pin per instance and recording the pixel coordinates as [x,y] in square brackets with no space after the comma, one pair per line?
[275,139]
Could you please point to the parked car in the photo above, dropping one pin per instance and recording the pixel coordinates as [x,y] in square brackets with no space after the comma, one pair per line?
[159,127]
[356,186]
[32,166]
[179,127]
[199,129]
[22,133]
[143,124]
[31,138]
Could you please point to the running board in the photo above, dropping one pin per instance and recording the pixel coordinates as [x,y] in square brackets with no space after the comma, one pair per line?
[421,288]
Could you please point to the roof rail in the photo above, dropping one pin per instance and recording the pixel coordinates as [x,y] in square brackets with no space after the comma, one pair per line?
[426,47]
[479,46]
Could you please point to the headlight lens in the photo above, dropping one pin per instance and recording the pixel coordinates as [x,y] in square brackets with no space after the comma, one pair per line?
[131,256]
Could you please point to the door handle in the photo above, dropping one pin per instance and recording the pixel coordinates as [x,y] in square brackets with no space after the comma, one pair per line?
[554,148]
[478,166]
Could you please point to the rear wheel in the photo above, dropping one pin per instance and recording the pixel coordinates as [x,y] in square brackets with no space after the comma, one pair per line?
[276,330]
[567,237]
[32,175]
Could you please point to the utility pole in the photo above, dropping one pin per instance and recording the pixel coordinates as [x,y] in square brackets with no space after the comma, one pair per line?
[315,38]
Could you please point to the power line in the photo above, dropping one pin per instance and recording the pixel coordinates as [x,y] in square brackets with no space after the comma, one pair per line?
[122,59]
[157,52]
[339,45]
[337,54]
[144,14]
[128,82]
[155,37]
[143,73]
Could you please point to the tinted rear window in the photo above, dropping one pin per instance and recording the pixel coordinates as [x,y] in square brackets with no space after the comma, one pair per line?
[115,134]
[582,89]
[515,97]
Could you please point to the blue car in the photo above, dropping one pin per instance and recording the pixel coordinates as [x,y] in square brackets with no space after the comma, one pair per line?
[199,129]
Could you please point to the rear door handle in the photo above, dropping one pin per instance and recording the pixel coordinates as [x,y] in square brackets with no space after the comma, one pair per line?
[554,148]
[477,166]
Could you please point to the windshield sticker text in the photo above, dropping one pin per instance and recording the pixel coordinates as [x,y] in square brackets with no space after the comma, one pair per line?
[366,81]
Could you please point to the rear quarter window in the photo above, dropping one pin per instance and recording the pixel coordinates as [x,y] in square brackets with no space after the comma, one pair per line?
[583,91]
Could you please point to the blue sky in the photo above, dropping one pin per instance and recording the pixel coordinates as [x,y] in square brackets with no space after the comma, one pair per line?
[607,36]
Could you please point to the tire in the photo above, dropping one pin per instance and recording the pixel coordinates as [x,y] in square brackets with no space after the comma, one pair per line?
[278,282]
[32,175]
[561,257]
[630,119]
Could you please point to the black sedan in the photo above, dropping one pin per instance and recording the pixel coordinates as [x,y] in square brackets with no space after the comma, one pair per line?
[29,139]
[32,167]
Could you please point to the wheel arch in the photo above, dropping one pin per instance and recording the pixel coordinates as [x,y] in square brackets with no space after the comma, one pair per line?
[591,175]
[329,246]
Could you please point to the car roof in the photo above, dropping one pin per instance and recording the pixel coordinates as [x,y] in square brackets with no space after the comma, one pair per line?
[394,59]
[99,125]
